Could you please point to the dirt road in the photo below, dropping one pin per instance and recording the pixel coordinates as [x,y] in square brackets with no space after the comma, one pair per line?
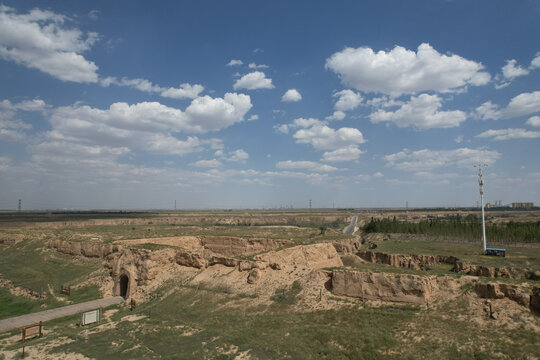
[34,318]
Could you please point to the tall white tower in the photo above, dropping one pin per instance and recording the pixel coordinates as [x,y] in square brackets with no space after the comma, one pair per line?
[481,184]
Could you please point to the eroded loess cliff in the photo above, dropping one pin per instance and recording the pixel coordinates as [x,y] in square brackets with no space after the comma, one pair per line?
[237,246]
[415,262]
[315,256]
[468,268]
[400,288]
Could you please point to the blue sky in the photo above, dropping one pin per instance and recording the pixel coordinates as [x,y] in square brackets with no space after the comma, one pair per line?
[251,104]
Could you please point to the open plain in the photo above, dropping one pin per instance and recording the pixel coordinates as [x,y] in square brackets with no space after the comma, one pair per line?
[272,284]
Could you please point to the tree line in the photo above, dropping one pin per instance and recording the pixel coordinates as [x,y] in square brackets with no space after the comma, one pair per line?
[458,227]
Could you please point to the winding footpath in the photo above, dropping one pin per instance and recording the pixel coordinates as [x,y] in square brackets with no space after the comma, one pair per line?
[34,318]
[349,229]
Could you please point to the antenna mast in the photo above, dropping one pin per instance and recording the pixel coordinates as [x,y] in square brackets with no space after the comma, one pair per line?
[481,184]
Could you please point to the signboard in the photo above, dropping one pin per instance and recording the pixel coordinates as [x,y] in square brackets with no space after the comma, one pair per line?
[32,331]
[90,317]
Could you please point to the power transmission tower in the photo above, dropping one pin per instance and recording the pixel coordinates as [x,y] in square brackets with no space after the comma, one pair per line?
[309,204]
[407,209]
[481,185]
[20,204]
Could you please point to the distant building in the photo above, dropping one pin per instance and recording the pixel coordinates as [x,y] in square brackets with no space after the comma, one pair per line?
[522,205]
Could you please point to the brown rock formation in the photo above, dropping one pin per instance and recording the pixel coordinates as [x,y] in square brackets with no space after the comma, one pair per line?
[347,246]
[517,293]
[468,268]
[87,249]
[314,256]
[236,246]
[402,288]
[189,259]
[415,262]
[254,276]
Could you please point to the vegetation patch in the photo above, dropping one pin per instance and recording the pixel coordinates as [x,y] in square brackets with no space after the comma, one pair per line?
[469,227]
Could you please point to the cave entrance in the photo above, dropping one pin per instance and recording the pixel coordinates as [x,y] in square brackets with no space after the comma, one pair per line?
[124,286]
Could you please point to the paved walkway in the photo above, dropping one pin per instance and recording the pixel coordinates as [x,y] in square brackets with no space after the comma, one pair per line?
[34,318]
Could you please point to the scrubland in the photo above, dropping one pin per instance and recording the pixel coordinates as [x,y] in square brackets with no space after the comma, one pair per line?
[290,311]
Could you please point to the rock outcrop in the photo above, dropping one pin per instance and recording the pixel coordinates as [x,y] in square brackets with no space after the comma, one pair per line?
[347,246]
[185,258]
[315,256]
[419,290]
[86,249]
[254,276]
[468,268]
[521,294]
[237,246]
[415,262]
[401,288]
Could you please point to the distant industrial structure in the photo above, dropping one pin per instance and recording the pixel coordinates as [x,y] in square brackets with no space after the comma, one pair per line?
[514,205]
[522,205]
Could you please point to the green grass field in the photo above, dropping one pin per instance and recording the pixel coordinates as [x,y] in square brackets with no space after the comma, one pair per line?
[29,265]
[190,324]
[521,257]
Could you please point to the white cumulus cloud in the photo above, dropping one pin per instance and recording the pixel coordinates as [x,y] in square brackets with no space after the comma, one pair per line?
[322,137]
[211,114]
[523,104]
[305,165]
[257,66]
[509,134]
[337,115]
[237,156]
[422,160]
[207,163]
[533,121]
[11,128]
[421,112]
[148,126]
[347,100]
[40,40]
[520,105]
[401,71]
[488,111]
[348,153]
[184,91]
[291,95]
[252,81]
[234,63]
[535,63]
[511,71]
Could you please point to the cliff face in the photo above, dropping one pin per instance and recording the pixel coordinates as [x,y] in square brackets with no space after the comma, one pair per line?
[504,272]
[86,249]
[400,288]
[315,256]
[420,290]
[415,262]
[347,246]
[518,293]
[236,246]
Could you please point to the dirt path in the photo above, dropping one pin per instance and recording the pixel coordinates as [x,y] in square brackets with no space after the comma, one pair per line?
[34,318]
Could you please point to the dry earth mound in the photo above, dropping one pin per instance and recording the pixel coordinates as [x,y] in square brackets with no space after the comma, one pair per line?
[314,256]
[236,246]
